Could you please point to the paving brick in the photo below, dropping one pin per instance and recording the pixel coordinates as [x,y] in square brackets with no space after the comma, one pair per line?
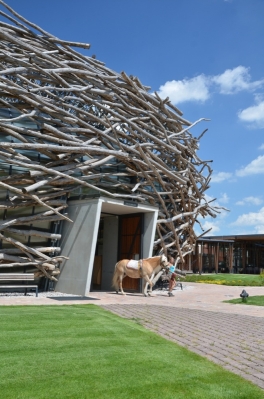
[225,339]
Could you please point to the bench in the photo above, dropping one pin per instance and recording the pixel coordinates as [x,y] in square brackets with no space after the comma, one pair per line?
[25,277]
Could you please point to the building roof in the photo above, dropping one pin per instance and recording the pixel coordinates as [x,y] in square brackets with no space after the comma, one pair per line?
[240,237]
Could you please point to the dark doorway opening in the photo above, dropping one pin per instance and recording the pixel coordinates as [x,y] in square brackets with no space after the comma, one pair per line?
[130,244]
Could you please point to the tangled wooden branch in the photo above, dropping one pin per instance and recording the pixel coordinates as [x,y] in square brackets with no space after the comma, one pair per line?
[69,123]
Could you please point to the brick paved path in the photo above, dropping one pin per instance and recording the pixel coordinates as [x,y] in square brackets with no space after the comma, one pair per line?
[234,341]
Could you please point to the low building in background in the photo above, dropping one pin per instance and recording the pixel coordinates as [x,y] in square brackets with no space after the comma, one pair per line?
[227,254]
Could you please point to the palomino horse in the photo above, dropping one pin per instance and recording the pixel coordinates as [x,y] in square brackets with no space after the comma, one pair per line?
[145,268]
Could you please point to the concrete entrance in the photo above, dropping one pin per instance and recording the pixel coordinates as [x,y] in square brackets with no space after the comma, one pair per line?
[80,238]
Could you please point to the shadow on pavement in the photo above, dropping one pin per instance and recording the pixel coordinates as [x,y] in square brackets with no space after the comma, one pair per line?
[72,298]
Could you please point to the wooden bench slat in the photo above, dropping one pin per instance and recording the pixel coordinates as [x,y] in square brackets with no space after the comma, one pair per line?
[18,286]
[12,275]
[18,277]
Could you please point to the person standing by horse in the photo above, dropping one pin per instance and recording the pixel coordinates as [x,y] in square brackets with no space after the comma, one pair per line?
[171,275]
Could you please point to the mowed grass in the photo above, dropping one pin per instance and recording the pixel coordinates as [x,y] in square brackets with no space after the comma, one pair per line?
[251,300]
[245,280]
[83,351]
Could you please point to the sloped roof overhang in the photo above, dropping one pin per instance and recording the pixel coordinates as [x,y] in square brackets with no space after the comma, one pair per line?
[241,237]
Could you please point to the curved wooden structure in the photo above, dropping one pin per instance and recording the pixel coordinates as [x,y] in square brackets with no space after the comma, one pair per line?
[69,124]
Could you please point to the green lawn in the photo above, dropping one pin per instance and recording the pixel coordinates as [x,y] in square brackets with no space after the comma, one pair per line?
[251,300]
[83,351]
[245,280]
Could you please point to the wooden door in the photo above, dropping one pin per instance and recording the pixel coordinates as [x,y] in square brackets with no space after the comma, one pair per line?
[130,231]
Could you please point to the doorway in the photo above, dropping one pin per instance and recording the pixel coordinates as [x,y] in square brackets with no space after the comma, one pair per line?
[130,244]
[129,247]
[128,232]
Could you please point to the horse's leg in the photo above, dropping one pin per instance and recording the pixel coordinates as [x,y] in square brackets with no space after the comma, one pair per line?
[117,287]
[145,290]
[150,288]
[148,281]
[115,281]
[120,284]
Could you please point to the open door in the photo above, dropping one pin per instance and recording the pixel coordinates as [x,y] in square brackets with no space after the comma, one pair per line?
[130,246]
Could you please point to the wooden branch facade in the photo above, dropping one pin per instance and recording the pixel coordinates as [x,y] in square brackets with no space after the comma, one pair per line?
[69,124]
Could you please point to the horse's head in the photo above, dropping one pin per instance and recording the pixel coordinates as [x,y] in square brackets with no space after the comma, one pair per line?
[164,261]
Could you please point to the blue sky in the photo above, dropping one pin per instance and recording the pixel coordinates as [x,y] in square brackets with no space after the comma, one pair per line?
[207,56]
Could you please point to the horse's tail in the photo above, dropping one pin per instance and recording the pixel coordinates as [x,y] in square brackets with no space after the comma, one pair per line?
[115,279]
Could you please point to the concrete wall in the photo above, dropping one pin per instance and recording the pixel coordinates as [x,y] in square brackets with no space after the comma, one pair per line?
[79,244]
[149,229]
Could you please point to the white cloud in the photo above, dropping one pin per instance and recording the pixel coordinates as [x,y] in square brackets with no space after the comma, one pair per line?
[250,201]
[224,199]
[194,89]
[253,168]
[208,222]
[254,219]
[198,88]
[235,80]
[254,115]
[212,202]
[210,225]
[220,176]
